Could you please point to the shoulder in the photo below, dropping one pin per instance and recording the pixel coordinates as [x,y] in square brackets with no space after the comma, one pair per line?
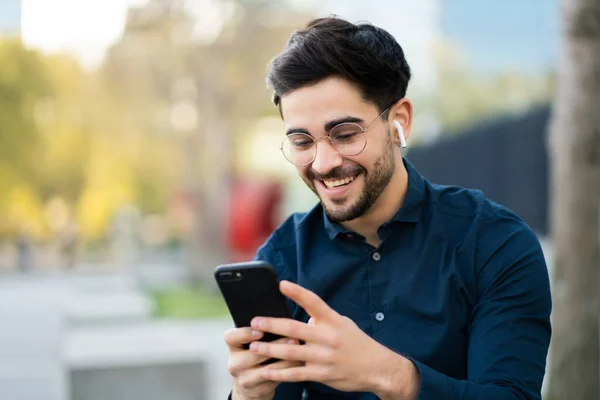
[496,231]
[508,247]
[504,254]
[505,248]
[286,234]
[487,216]
[459,202]
[281,247]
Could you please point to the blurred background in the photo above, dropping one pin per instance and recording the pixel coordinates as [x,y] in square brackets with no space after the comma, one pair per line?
[139,149]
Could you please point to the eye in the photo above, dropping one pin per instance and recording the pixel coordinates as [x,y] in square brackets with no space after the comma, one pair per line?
[300,141]
[346,133]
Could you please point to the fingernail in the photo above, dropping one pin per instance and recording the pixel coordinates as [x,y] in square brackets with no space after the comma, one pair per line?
[254,346]
[256,334]
[256,322]
[291,341]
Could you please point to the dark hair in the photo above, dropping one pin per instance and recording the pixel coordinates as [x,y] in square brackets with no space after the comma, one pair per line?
[365,55]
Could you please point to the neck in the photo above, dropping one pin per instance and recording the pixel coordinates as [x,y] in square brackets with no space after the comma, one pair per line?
[386,206]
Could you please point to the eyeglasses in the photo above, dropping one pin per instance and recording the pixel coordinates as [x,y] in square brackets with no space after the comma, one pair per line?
[348,138]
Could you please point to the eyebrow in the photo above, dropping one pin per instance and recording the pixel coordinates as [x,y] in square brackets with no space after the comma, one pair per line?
[328,126]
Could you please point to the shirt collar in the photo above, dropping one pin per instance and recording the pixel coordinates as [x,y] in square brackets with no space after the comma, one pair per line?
[410,210]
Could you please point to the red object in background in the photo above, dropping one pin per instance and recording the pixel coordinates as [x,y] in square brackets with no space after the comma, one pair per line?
[253,216]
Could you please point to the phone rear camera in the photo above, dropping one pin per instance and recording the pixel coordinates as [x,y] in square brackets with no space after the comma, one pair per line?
[230,276]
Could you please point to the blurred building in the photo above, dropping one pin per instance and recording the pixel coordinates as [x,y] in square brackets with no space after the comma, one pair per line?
[10,17]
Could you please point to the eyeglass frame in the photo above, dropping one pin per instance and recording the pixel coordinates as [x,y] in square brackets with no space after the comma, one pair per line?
[364,131]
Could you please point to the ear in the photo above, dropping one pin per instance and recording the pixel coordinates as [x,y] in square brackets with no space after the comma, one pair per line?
[402,113]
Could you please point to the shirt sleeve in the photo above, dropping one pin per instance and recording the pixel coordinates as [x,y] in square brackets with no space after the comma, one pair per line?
[509,332]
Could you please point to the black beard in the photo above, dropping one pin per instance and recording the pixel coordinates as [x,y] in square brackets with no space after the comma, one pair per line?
[375,184]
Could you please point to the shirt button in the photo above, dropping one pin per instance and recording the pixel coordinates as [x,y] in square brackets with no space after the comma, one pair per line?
[376,256]
[379,316]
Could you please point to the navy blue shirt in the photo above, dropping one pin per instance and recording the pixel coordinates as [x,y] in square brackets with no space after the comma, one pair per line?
[459,285]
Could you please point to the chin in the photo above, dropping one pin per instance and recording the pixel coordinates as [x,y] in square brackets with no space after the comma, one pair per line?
[340,217]
[339,213]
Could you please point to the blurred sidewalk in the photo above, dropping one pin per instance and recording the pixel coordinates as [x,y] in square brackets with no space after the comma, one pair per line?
[61,327]
[62,330]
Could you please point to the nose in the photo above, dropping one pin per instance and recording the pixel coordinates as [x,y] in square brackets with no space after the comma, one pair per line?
[327,157]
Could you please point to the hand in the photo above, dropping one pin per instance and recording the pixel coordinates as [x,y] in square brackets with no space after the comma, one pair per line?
[336,352]
[246,369]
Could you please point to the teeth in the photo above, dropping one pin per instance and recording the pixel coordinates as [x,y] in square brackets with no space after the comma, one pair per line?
[338,182]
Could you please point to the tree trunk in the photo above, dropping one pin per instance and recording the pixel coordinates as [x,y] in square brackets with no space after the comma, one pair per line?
[575,162]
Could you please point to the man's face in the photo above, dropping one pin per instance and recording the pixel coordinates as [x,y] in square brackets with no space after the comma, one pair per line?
[347,185]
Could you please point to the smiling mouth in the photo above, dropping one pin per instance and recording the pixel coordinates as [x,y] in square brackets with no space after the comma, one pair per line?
[336,183]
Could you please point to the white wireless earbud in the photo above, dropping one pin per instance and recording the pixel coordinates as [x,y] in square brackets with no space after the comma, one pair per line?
[400,134]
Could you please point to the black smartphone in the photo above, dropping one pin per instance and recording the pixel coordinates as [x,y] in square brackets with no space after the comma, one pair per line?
[251,289]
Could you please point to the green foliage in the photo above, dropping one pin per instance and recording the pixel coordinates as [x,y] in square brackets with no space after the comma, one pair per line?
[75,146]
[464,97]
[66,137]
[188,303]
[23,79]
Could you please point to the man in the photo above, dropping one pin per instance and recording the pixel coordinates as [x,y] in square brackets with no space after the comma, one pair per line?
[400,288]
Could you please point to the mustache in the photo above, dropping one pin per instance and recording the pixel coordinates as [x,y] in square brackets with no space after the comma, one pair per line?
[335,174]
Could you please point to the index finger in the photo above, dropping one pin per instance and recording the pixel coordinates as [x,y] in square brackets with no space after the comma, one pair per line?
[238,337]
[312,304]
